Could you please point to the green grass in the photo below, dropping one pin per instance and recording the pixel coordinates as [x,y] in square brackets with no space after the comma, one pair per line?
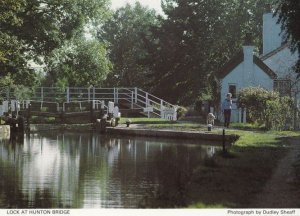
[262,139]
[251,135]
[146,121]
[181,126]
[247,126]
[256,139]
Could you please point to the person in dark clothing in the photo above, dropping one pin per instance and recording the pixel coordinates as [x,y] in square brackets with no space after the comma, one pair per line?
[226,109]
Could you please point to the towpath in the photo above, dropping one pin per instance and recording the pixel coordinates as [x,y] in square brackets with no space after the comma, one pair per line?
[281,190]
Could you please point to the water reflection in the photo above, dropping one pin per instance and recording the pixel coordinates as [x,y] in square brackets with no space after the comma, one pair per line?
[56,170]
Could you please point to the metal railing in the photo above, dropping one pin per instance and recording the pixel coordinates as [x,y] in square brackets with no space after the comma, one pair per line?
[134,98]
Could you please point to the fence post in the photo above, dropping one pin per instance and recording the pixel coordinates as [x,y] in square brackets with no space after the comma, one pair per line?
[117,94]
[114,95]
[147,100]
[223,141]
[147,104]
[240,115]
[93,93]
[132,100]
[89,97]
[161,108]
[244,116]
[135,93]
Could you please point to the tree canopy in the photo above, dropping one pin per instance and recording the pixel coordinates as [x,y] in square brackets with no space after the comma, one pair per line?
[195,39]
[30,30]
[175,56]
[125,32]
[289,13]
[78,63]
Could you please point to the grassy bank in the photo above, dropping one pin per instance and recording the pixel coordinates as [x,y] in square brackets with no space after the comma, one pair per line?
[157,123]
[236,180]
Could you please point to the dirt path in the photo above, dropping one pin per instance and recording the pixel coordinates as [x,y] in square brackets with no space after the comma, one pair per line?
[280,190]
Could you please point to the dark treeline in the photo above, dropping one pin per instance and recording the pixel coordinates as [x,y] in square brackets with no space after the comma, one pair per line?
[175,56]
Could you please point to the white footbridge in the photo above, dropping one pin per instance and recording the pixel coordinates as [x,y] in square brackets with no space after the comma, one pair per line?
[130,100]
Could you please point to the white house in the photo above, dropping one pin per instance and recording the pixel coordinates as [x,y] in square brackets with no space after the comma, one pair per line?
[273,70]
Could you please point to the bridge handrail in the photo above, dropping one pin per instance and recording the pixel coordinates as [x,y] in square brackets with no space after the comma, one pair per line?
[95,102]
[151,95]
[135,96]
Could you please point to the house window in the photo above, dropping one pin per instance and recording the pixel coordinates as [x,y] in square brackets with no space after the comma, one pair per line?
[232,90]
[283,86]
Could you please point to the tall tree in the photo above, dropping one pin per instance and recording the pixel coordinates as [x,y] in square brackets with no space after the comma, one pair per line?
[79,62]
[196,39]
[125,33]
[34,28]
[289,16]
[8,11]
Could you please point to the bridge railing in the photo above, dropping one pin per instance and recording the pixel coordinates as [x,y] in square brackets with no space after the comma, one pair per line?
[135,98]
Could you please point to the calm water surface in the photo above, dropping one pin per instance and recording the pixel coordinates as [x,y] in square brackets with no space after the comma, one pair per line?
[72,170]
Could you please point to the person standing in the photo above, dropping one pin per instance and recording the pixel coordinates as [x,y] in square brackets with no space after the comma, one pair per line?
[226,109]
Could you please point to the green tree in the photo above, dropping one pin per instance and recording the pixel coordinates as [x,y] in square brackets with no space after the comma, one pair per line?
[289,13]
[8,11]
[79,62]
[196,39]
[32,29]
[125,33]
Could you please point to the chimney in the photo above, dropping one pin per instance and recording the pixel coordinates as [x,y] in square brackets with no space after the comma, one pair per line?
[248,50]
[268,8]
[271,31]
[248,39]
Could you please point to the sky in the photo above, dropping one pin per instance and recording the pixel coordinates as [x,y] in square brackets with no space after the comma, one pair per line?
[153,4]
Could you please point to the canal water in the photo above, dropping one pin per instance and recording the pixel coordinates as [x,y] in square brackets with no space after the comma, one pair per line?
[75,170]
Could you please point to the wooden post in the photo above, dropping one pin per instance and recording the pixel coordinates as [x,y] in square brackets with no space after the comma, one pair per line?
[89,97]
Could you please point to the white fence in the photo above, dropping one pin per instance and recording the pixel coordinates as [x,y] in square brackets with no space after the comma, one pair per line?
[133,98]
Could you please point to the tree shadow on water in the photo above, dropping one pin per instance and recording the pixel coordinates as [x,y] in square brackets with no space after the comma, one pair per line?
[173,169]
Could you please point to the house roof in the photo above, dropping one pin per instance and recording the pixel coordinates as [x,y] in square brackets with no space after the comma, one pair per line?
[231,64]
[264,67]
[239,58]
[275,51]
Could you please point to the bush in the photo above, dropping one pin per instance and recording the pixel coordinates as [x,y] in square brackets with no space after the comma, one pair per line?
[265,107]
[181,111]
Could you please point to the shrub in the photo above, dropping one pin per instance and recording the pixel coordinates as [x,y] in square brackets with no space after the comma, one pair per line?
[265,107]
[181,111]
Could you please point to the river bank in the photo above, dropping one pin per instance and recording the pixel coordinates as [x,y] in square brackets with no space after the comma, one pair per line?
[234,180]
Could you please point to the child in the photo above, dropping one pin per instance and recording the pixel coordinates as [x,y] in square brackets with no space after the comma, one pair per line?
[210,118]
